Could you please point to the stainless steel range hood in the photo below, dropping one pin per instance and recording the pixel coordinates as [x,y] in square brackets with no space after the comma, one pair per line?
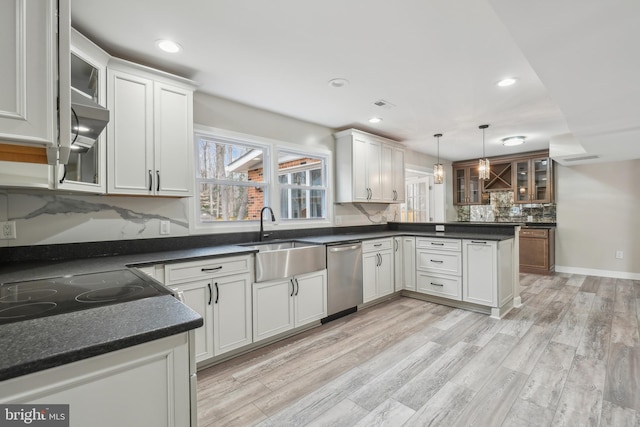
[88,120]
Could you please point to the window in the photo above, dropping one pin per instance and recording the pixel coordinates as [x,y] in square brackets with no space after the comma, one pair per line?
[302,182]
[231,178]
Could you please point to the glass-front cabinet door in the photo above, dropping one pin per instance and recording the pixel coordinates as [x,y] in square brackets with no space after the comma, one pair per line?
[85,170]
[467,185]
[533,181]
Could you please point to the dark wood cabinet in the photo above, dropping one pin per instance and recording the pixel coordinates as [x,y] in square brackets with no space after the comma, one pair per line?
[537,250]
[467,187]
[533,180]
[500,177]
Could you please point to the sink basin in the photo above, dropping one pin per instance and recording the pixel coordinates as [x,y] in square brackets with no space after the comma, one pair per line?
[280,260]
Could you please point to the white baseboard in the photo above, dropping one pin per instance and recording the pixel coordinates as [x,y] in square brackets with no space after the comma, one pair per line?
[596,272]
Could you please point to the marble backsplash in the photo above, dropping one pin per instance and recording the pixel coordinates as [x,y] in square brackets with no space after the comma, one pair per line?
[502,209]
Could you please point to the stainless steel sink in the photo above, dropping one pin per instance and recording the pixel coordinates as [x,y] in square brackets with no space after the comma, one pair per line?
[279,260]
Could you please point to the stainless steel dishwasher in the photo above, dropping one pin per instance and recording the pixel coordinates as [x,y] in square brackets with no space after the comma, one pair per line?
[344,278]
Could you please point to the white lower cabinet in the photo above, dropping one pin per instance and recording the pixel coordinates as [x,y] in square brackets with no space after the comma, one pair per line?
[488,272]
[408,263]
[219,290]
[145,385]
[281,305]
[377,269]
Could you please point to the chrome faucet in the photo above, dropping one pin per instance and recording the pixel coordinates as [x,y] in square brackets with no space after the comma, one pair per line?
[273,219]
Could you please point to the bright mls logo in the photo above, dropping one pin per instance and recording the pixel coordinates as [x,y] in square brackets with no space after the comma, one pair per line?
[34,415]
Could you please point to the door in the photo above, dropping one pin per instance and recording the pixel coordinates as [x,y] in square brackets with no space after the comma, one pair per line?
[398,249]
[310,297]
[369,276]
[130,134]
[231,313]
[385,273]
[172,140]
[198,295]
[480,279]
[272,308]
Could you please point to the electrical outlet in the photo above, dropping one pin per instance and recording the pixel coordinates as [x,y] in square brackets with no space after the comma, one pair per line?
[619,254]
[8,230]
[165,227]
[440,227]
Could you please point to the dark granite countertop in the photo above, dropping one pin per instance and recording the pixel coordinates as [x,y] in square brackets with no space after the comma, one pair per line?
[38,344]
[340,238]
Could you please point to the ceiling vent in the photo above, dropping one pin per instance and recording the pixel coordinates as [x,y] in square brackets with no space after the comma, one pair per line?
[384,104]
[575,159]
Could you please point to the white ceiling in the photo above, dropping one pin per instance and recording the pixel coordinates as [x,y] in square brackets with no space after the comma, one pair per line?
[577,64]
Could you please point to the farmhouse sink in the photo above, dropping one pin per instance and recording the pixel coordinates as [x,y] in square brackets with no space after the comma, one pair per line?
[281,260]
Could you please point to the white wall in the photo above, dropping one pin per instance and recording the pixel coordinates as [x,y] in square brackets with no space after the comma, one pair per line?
[598,213]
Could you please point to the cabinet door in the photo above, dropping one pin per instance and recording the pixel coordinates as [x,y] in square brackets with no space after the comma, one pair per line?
[272,308]
[374,170]
[369,276]
[480,276]
[398,175]
[408,263]
[541,180]
[310,297]
[522,190]
[387,182]
[459,186]
[28,70]
[231,313]
[473,177]
[360,178]
[398,255]
[385,273]
[198,295]
[173,136]
[130,134]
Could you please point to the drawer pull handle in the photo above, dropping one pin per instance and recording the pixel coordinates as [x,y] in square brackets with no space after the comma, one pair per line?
[437,284]
[477,241]
[437,244]
[212,269]
[436,261]
[377,245]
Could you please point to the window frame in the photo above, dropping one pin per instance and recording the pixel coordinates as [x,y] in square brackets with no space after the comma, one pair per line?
[307,188]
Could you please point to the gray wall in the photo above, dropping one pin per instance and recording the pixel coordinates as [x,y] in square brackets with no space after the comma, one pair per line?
[598,213]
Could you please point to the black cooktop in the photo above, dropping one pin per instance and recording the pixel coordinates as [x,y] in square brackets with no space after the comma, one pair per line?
[47,297]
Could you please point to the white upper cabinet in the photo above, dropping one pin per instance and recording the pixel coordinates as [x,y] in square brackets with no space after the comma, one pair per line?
[28,88]
[150,134]
[369,168]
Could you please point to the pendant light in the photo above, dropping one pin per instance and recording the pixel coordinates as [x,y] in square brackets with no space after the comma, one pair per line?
[483,166]
[438,169]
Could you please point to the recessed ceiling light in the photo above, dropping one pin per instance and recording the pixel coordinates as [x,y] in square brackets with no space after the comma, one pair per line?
[339,82]
[168,46]
[375,120]
[513,140]
[507,82]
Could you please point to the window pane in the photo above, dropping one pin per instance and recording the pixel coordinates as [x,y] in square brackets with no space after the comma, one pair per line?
[317,204]
[316,177]
[231,162]
[230,202]
[298,203]
[299,178]
[284,204]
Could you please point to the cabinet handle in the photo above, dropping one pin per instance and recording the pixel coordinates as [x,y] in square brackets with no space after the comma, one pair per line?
[158,181]
[437,244]
[297,286]
[395,195]
[477,241]
[150,180]
[64,174]
[212,269]
[396,242]
[217,293]
[293,288]
[210,293]
[377,245]
[436,261]
[437,284]
[380,258]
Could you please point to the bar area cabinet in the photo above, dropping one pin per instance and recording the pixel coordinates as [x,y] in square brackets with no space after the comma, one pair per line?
[533,182]
[467,186]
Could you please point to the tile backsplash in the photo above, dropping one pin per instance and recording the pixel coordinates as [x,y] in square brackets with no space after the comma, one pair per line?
[503,209]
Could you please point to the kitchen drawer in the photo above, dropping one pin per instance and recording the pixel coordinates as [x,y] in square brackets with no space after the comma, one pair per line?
[535,232]
[439,285]
[211,268]
[439,244]
[439,262]
[377,245]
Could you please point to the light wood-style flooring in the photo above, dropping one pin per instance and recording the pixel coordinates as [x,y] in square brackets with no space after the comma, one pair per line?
[570,356]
